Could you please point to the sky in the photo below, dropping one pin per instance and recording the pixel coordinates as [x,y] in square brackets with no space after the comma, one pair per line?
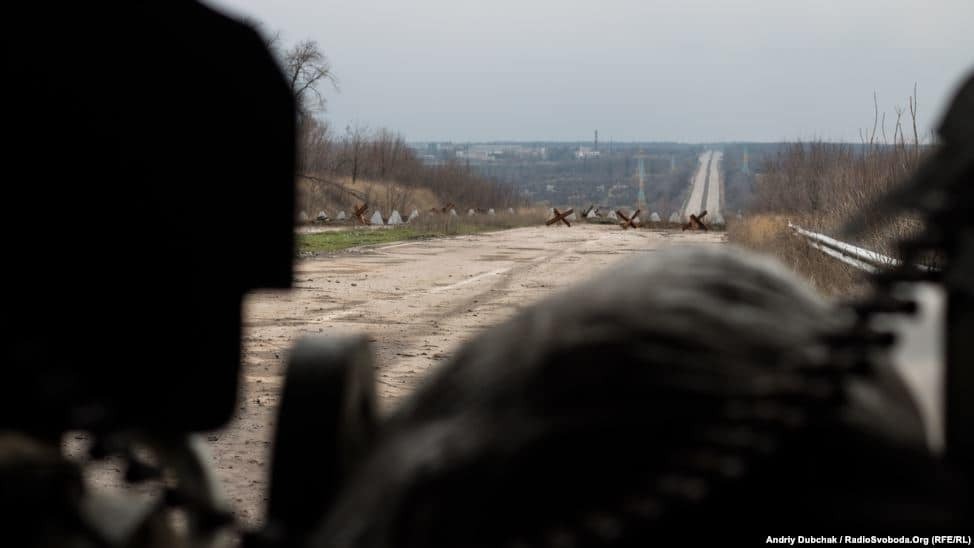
[635,70]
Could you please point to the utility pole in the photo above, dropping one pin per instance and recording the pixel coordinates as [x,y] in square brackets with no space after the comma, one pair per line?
[641,198]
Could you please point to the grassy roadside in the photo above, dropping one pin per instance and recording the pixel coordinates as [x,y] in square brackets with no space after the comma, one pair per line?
[327,242]
[822,186]
[337,240]
[420,229]
[769,234]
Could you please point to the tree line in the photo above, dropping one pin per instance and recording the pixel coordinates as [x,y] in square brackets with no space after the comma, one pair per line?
[358,154]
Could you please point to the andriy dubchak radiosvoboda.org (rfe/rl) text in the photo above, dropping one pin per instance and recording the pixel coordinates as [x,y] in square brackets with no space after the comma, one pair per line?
[924,540]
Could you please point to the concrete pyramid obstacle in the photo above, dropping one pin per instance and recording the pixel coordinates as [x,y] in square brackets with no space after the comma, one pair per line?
[376,218]
[591,214]
[470,213]
[322,216]
[453,213]
[341,216]
[413,215]
[303,217]
[612,215]
[571,217]
[675,217]
[394,219]
[654,218]
[491,211]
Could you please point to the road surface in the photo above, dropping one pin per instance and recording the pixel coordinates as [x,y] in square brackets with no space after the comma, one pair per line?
[418,301]
[705,194]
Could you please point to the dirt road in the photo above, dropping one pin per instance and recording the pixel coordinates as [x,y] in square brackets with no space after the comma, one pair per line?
[418,301]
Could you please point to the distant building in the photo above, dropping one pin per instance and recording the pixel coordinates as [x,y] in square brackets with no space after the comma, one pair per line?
[586,152]
[473,153]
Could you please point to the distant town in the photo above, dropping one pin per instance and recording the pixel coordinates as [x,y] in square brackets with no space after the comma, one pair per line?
[651,175]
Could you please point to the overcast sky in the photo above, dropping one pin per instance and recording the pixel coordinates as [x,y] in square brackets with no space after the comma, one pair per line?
[636,70]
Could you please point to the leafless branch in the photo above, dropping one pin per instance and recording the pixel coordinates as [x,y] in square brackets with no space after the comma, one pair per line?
[306,68]
[913,116]
[872,136]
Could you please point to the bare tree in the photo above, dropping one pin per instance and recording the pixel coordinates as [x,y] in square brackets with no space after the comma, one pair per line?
[913,114]
[326,157]
[316,149]
[306,68]
[304,65]
[353,149]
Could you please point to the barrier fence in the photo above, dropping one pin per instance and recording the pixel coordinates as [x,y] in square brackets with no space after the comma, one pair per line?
[854,256]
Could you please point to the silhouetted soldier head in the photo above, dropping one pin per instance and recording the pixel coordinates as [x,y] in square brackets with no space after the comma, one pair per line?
[149,184]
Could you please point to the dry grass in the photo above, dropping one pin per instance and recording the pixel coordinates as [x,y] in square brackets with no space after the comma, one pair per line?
[389,195]
[340,194]
[821,187]
[769,234]
[760,230]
